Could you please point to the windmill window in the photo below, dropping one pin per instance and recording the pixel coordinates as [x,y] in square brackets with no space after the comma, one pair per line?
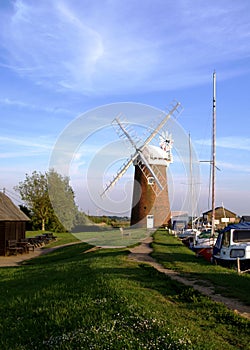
[151,180]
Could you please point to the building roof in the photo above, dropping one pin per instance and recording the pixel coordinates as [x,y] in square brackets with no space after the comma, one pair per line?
[220,208]
[9,211]
[178,213]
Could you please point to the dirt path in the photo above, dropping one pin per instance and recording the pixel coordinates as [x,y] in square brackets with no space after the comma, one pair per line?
[141,253]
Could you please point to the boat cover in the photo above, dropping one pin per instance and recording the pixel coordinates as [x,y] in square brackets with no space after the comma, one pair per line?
[240,226]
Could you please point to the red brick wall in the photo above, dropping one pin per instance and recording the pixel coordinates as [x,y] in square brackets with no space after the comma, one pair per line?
[146,202]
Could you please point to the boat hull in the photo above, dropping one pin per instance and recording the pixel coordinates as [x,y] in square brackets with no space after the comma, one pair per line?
[205,252]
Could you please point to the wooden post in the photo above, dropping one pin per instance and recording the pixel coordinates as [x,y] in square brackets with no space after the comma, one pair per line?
[238,265]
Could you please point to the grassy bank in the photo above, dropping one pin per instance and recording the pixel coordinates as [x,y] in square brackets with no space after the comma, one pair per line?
[101,300]
[113,237]
[110,237]
[172,254]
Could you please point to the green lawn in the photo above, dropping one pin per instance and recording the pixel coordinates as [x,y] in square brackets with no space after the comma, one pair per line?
[103,238]
[172,254]
[101,300]
[113,237]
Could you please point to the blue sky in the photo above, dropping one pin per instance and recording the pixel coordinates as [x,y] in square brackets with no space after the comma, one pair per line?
[62,58]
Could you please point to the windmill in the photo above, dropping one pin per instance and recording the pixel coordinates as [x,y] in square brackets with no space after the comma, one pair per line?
[150,204]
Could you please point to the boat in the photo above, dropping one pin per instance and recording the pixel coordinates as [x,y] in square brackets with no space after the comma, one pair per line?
[188,236]
[189,232]
[205,238]
[232,247]
[203,244]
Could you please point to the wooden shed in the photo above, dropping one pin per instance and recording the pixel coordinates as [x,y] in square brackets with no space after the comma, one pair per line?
[223,217]
[12,222]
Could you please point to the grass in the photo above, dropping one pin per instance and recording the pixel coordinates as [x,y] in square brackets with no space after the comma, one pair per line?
[101,300]
[113,237]
[104,238]
[172,254]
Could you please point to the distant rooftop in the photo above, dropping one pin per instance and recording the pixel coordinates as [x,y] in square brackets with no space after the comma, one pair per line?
[179,213]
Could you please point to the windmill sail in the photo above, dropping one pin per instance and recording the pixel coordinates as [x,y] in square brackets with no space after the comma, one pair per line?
[123,131]
[175,109]
[119,174]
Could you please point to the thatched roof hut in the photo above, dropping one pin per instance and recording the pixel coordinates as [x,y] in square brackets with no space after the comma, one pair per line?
[12,222]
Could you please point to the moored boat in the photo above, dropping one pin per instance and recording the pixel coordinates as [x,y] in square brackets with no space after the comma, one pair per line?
[190,232]
[203,244]
[188,236]
[232,246]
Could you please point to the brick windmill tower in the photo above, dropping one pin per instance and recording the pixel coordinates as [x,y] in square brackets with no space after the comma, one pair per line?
[150,204]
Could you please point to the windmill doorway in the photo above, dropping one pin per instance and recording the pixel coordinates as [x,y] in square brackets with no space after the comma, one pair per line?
[150,221]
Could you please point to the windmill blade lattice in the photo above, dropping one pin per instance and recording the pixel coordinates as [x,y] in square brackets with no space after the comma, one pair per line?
[124,131]
[119,174]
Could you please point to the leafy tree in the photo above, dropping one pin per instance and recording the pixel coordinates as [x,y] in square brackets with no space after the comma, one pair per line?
[50,199]
[34,192]
[62,198]
[26,211]
[81,219]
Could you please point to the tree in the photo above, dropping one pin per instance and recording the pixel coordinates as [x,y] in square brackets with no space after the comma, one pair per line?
[62,198]
[34,192]
[26,211]
[50,199]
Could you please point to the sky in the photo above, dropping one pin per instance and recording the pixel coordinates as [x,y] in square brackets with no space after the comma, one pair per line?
[69,67]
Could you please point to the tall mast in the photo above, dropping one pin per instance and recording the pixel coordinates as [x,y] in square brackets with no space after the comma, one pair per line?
[213,153]
[191,182]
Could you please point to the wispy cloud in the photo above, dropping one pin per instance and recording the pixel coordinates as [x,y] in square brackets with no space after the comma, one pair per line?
[243,168]
[21,104]
[17,147]
[18,154]
[230,142]
[24,142]
[85,47]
